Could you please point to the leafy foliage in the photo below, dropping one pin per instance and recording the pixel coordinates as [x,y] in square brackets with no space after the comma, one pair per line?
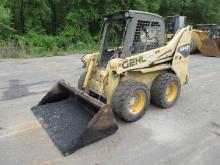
[5,23]
[55,26]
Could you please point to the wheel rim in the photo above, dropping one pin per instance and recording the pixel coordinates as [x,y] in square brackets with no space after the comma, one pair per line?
[137,102]
[171,92]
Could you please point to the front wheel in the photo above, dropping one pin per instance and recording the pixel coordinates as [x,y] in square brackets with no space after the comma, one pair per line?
[131,100]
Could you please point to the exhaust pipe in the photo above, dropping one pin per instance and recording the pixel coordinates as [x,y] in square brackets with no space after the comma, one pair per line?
[72,118]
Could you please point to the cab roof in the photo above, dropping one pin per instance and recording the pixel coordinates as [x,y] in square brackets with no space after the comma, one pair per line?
[131,12]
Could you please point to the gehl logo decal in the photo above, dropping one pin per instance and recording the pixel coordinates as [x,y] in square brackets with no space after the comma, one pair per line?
[133,62]
[137,60]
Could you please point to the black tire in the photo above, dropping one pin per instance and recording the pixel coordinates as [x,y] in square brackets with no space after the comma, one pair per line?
[159,88]
[126,91]
[81,80]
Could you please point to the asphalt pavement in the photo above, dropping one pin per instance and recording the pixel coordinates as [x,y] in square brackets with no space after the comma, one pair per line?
[186,134]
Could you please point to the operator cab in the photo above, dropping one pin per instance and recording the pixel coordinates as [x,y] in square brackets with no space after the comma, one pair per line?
[129,32]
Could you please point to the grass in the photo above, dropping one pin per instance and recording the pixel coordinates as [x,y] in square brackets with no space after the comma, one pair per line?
[12,50]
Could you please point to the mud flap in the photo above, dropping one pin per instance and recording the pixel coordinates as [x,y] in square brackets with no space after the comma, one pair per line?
[72,118]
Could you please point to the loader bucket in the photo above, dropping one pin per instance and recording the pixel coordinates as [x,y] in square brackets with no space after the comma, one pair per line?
[72,118]
[207,45]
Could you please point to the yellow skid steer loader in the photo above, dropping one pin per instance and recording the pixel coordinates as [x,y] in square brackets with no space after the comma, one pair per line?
[134,66]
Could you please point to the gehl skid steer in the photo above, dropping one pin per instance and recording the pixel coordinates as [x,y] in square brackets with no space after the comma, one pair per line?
[135,66]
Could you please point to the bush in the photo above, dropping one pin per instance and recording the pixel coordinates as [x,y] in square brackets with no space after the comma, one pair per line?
[33,39]
[38,44]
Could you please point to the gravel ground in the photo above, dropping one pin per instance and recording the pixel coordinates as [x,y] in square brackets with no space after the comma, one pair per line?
[187,134]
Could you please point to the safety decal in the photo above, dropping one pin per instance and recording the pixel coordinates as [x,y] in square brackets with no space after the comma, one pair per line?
[184,50]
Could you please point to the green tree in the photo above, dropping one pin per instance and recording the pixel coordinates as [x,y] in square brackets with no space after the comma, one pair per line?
[6,31]
[62,24]
[37,15]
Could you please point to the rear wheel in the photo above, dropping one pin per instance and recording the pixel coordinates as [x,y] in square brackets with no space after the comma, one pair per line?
[131,100]
[81,80]
[165,90]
